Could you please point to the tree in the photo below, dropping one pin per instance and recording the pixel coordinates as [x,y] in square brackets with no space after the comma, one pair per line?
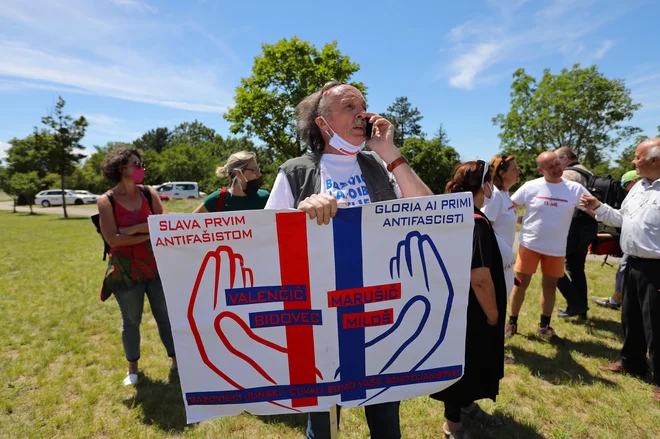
[433,160]
[67,134]
[23,184]
[32,153]
[192,133]
[624,161]
[154,140]
[405,119]
[579,108]
[282,76]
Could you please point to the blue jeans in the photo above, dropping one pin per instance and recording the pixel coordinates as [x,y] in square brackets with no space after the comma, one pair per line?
[383,421]
[131,304]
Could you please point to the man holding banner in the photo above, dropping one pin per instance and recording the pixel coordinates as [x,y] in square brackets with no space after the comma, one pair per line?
[336,126]
[273,314]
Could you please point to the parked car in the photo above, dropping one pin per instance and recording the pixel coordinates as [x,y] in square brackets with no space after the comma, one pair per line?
[179,189]
[202,194]
[89,197]
[165,197]
[54,198]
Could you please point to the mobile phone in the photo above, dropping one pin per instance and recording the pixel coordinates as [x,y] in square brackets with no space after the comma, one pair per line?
[368,129]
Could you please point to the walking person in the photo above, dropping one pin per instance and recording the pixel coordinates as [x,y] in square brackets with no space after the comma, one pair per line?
[132,272]
[639,219]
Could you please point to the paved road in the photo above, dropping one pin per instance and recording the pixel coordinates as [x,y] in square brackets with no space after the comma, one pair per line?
[55,210]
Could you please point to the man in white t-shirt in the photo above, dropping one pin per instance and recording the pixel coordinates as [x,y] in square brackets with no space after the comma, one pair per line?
[333,122]
[550,202]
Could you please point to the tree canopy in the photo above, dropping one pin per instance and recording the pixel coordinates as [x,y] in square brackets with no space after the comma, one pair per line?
[579,108]
[282,76]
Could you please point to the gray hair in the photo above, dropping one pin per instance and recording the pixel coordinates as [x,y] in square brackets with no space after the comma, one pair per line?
[565,151]
[653,152]
[306,113]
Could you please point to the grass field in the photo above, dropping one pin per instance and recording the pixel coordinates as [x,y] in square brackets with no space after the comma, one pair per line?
[4,197]
[61,362]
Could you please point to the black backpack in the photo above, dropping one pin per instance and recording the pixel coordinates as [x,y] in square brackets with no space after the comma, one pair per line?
[606,189]
[97,222]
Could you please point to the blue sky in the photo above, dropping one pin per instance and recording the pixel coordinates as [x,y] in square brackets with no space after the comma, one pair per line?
[133,65]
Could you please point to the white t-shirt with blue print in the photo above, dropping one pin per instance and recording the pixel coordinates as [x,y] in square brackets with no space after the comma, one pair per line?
[341,177]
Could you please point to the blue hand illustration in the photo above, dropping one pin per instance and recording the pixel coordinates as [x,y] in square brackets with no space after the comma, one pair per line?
[420,259]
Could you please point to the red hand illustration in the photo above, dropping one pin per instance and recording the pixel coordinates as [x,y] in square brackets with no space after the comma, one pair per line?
[223,268]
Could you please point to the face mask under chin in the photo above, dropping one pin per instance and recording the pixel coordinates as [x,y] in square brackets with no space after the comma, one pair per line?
[340,144]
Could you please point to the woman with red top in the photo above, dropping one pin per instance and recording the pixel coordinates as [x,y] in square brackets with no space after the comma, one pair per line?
[132,270]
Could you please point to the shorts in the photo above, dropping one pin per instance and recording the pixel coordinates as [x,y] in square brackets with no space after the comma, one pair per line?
[528,261]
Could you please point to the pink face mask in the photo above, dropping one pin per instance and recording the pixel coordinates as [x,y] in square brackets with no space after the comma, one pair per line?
[138,174]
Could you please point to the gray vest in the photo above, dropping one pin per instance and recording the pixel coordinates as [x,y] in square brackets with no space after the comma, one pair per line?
[304,176]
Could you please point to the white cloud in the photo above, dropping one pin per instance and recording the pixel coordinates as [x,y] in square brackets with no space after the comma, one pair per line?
[134,4]
[3,150]
[604,48]
[467,66]
[100,119]
[85,47]
[643,79]
[516,33]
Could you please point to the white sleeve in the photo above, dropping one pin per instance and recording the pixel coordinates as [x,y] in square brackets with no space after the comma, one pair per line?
[520,197]
[492,207]
[281,196]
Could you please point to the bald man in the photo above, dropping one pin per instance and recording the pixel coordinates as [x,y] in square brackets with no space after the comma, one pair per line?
[639,219]
[550,202]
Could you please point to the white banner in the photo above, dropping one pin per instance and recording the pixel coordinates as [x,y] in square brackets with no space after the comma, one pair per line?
[272,313]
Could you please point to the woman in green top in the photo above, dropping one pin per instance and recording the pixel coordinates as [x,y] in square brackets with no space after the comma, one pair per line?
[243,192]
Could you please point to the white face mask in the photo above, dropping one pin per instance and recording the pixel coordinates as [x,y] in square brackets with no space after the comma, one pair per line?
[238,180]
[342,145]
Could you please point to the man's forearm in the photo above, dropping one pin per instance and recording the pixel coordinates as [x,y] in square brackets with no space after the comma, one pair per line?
[409,182]
[608,215]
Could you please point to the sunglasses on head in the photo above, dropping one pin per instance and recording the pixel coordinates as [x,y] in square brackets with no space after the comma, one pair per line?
[503,161]
[483,176]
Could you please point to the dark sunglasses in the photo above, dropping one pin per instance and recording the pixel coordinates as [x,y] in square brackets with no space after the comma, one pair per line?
[256,170]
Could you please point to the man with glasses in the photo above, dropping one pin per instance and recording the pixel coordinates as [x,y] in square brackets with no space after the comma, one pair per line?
[550,202]
[582,232]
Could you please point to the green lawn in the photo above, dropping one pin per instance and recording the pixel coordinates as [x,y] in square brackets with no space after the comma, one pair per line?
[4,197]
[61,361]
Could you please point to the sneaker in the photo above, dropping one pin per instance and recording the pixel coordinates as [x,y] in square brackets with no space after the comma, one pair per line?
[510,329]
[547,332]
[130,380]
[606,303]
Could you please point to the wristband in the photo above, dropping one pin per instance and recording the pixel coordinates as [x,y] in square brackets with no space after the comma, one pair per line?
[401,160]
